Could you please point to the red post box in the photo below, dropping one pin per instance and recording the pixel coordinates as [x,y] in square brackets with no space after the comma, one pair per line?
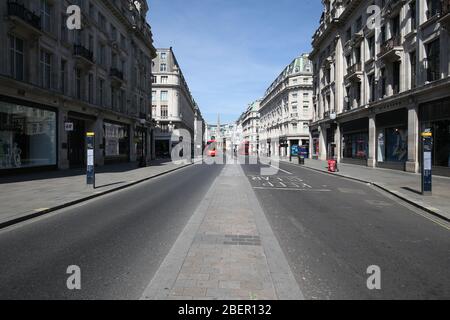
[332,165]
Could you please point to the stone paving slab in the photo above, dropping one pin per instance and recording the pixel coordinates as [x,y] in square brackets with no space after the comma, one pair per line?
[403,184]
[33,194]
[226,251]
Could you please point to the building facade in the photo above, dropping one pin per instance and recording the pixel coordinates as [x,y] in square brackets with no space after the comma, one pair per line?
[224,135]
[381,77]
[173,106]
[58,84]
[249,122]
[286,109]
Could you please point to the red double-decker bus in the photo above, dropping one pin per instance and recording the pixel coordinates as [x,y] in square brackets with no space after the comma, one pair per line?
[212,148]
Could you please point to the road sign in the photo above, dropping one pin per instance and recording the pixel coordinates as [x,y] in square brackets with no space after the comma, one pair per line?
[90,171]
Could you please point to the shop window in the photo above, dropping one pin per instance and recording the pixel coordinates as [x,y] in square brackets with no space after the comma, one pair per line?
[355,146]
[27,137]
[117,142]
[393,145]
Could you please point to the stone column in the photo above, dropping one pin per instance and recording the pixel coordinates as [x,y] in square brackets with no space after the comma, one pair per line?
[148,143]
[99,135]
[133,156]
[322,143]
[62,147]
[372,156]
[289,148]
[412,165]
[338,140]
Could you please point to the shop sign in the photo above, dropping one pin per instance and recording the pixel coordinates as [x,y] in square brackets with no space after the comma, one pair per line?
[68,126]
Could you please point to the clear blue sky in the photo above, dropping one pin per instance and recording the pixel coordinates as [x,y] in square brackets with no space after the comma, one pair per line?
[230,51]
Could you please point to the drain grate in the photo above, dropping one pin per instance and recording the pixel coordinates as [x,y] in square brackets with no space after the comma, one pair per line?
[230,240]
[240,240]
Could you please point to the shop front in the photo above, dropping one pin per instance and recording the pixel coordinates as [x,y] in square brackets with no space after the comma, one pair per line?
[162,148]
[140,140]
[355,141]
[315,152]
[392,139]
[79,124]
[28,136]
[283,147]
[116,142]
[436,116]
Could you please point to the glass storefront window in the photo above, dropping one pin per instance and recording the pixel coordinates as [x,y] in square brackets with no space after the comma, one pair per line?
[441,142]
[27,136]
[117,142]
[393,145]
[355,146]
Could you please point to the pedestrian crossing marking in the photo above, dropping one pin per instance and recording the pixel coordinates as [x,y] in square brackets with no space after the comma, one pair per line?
[289,183]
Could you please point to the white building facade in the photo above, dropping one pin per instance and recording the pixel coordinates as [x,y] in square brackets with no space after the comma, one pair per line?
[286,110]
[58,84]
[380,80]
[249,122]
[173,107]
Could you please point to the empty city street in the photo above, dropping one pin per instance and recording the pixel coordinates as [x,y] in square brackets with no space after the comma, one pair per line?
[332,229]
[118,241]
[183,151]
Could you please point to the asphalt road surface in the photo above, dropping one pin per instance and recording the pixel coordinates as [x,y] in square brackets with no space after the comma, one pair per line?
[332,229]
[118,240]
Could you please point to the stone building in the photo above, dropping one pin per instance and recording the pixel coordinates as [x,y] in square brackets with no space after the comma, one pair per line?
[381,77]
[58,84]
[173,106]
[249,122]
[286,109]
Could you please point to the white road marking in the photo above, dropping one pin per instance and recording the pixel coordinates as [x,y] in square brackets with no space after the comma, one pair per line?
[292,189]
[281,169]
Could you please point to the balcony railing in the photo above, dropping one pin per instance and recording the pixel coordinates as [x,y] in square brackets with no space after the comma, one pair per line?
[79,50]
[445,7]
[354,68]
[20,11]
[445,13]
[114,72]
[389,45]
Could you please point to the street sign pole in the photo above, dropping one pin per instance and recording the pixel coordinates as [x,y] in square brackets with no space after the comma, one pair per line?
[427,153]
[90,172]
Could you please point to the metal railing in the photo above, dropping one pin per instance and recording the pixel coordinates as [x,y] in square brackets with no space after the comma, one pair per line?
[357,67]
[114,72]
[445,7]
[390,45]
[19,10]
[79,50]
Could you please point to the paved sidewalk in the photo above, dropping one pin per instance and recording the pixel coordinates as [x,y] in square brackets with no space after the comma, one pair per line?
[226,252]
[29,195]
[403,184]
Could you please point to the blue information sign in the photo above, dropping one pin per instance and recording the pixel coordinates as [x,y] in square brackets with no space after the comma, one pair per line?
[304,152]
[294,150]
